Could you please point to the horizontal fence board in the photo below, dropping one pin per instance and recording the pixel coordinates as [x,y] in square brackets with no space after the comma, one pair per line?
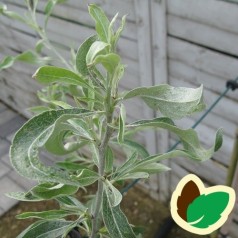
[220,14]
[202,34]
[203,59]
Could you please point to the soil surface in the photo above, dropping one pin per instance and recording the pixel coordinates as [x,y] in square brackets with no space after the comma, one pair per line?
[140,209]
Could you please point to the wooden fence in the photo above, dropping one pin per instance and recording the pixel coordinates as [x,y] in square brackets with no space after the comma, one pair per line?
[181,42]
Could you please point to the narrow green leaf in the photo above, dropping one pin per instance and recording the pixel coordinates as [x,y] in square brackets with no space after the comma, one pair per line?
[49,191]
[134,146]
[113,193]
[127,166]
[115,221]
[172,102]
[81,55]
[95,155]
[71,204]
[61,104]
[110,28]
[51,74]
[135,175]
[102,22]
[49,7]
[87,177]
[7,62]
[39,46]
[47,215]
[46,229]
[119,31]
[122,122]
[150,168]
[96,49]
[206,210]
[32,136]
[11,14]
[31,57]
[22,196]
[109,158]
[188,137]
[38,109]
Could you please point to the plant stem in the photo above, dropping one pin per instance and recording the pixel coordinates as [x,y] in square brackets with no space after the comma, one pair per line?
[102,150]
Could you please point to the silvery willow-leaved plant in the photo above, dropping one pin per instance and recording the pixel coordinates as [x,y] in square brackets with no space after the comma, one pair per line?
[96,123]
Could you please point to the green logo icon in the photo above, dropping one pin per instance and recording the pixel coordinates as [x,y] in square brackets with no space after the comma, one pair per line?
[198,209]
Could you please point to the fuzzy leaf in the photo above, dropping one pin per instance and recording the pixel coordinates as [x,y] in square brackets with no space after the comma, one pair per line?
[102,22]
[29,57]
[206,210]
[109,61]
[96,49]
[81,55]
[22,196]
[71,204]
[188,137]
[115,220]
[113,193]
[51,74]
[11,14]
[150,168]
[117,35]
[172,102]
[32,136]
[127,166]
[49,191]
[122,122]
[109,157]
[87,177]
[135,175]
[48,215]
[7,62]
[46,229]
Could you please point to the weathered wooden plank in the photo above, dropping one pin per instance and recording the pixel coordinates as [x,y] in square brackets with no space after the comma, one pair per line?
[184,72]
[203,34]
[203,59]
[145,68]
[160,76]
[220,14]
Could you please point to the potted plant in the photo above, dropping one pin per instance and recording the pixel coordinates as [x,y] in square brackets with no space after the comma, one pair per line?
[96,121]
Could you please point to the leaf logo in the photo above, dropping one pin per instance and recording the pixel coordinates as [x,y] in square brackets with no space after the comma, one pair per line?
[198,209]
